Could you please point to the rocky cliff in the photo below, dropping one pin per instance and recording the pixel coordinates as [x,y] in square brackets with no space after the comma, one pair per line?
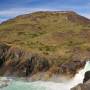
[15,61]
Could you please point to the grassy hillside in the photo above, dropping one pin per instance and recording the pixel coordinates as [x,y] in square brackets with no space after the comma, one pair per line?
[57,34]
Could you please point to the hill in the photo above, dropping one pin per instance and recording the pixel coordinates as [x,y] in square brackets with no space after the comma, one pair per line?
[62,36]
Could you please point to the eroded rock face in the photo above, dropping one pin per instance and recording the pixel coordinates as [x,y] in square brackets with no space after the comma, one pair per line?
[18,62]
[3,51]
[15,61]
[72,67]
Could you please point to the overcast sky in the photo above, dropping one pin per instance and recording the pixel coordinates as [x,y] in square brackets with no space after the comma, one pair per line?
[12,8]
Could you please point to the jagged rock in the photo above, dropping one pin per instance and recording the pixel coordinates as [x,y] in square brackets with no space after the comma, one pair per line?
[18,62]
[86,83]
[86,77]
[3,51]
[72,67]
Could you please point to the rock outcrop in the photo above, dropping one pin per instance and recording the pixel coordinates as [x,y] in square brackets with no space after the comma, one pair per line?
[86,83]
[72,67]
[86,77]
[84,86]
[15,61]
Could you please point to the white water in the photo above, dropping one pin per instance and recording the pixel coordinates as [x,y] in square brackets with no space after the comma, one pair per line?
[42,85]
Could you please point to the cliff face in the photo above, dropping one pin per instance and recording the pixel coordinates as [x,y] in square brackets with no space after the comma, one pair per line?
[15,61]
[18,62]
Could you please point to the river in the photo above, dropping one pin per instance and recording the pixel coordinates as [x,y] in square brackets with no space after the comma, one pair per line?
[48,85]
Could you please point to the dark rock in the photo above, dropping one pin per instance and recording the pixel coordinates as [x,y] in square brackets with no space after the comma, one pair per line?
[86,83]
[86,77]
[37,63]
[30,66]
[3,51]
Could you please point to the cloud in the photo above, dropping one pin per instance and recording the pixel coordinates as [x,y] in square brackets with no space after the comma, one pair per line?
[19,11]
[10,13]
[13,12]
[86,15]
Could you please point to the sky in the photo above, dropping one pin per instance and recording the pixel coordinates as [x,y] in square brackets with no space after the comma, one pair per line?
[12,8]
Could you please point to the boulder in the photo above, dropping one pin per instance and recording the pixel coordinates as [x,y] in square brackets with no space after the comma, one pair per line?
[84,86]
[86,77]
[86,83]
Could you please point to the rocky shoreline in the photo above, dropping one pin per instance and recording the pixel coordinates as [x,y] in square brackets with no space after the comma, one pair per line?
[20,63]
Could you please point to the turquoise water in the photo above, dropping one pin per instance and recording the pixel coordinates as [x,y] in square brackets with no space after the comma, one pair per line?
[20,85]
[42,85]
